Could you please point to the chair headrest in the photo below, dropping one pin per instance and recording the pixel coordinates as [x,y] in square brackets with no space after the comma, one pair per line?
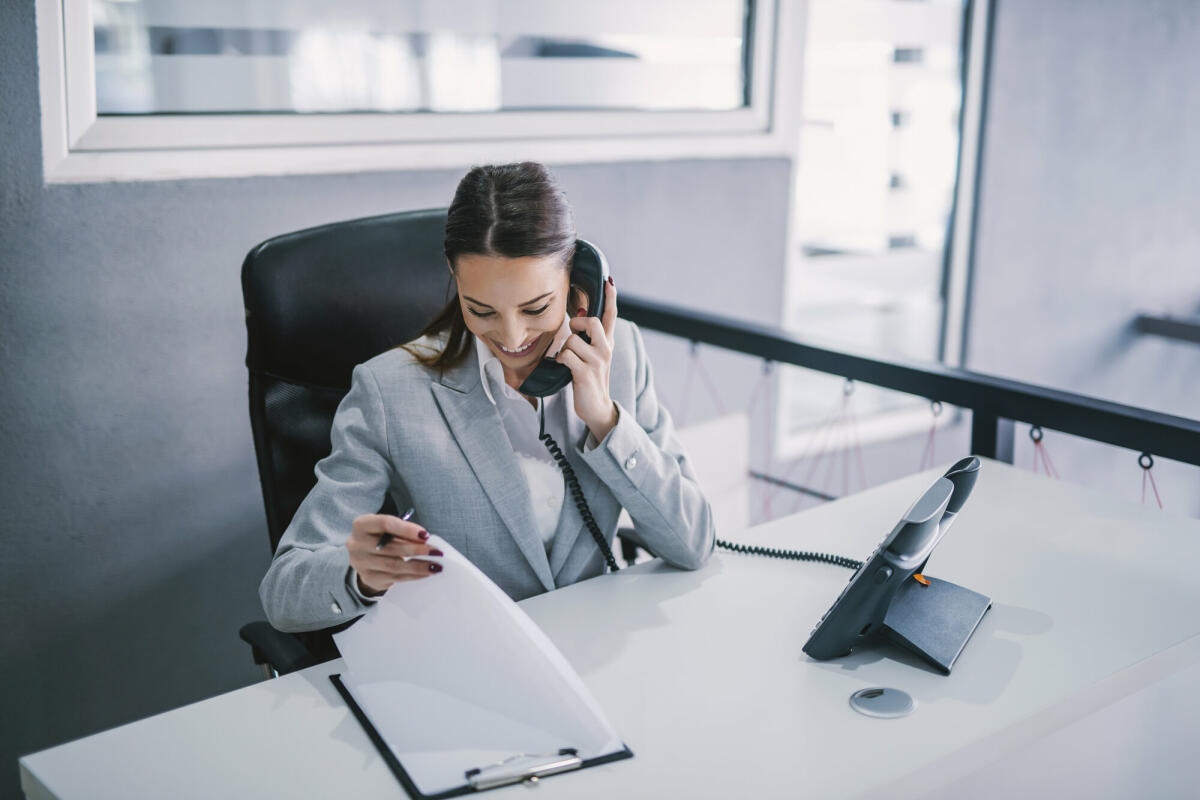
[321,300]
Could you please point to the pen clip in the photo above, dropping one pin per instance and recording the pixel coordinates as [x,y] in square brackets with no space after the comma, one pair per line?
[523,767]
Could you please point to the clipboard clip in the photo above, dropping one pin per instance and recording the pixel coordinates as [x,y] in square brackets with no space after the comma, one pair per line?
[523,767]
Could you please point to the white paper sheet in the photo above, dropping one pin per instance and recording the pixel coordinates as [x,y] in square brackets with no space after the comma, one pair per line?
[454,675]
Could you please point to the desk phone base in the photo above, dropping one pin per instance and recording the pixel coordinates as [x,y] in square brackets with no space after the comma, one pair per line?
[934,621]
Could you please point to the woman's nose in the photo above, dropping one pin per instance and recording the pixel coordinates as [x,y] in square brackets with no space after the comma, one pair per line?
[513,336]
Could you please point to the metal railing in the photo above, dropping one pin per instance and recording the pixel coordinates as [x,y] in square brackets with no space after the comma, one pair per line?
[995,402]
[1183,329]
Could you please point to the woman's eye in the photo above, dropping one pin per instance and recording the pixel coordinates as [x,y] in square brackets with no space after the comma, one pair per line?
[530,312]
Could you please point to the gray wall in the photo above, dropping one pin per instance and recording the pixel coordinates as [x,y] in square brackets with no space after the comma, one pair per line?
[134,535]
[1089,205]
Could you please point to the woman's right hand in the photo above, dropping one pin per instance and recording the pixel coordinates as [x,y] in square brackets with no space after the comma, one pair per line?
[379,569]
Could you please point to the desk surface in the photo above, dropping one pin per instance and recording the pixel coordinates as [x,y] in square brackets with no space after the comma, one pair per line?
[1094,601]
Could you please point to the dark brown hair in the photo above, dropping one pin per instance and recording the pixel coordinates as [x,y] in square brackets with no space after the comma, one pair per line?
[507,210]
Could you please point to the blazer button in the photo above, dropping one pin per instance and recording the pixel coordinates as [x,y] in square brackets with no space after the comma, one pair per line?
[630,462]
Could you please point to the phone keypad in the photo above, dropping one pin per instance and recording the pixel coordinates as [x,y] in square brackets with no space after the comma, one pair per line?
[846,588]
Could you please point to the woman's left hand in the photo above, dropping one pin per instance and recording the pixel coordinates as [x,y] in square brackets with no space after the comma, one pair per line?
[590,363]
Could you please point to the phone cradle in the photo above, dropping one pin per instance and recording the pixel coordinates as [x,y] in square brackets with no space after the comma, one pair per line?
[934,621]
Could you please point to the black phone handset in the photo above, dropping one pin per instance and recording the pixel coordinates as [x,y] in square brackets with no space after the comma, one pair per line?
[589,273]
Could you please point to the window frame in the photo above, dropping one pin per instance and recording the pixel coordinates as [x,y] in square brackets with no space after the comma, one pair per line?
[79,145]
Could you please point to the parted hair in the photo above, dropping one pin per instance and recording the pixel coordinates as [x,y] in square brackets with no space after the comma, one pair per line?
[508,210]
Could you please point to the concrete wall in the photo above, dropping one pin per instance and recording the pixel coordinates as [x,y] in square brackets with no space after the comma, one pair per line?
[134,535]
[1089,205]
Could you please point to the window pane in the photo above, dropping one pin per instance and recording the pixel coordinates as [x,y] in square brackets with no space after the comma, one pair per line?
[241,56]
[877,167]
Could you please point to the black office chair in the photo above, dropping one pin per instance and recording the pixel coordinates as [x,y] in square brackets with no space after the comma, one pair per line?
[318,302]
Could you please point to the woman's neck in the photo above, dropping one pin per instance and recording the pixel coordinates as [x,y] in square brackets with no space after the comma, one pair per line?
[515,379]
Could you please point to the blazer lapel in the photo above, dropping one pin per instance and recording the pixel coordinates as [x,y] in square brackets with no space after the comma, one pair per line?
[475,425]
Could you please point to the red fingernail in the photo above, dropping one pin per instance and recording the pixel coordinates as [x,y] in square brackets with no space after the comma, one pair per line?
[579,312]
[610,280]
[435,567]
[433,551]
[423,535]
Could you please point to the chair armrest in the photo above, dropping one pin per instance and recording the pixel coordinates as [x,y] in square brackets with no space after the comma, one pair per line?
[280,651]
[629,545]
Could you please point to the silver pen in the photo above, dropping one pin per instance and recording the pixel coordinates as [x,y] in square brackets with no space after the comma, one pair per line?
[387,537]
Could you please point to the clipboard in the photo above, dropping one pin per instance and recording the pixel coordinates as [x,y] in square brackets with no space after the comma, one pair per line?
[530,770]
[486,700]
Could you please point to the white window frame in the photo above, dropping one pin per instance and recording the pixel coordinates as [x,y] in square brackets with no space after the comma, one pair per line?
[80,146]
[792,443]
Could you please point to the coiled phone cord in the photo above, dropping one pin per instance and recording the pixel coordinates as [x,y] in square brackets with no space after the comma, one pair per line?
[794,555]
[585,512]
[574,487]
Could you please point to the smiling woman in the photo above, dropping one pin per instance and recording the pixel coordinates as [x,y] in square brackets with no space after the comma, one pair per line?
[440,425]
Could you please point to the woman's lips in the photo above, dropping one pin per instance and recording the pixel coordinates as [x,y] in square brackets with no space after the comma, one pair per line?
[524,351]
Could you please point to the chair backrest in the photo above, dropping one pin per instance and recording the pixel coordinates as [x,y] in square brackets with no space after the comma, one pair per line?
[318,302]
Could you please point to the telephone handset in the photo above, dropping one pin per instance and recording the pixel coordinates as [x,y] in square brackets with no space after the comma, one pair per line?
[589,273]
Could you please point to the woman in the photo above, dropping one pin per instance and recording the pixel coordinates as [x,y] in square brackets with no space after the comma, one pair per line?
[440,426]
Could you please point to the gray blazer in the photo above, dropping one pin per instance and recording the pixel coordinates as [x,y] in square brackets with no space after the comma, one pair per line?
[435,442]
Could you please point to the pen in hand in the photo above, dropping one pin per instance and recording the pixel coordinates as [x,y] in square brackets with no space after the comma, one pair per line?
[387,537]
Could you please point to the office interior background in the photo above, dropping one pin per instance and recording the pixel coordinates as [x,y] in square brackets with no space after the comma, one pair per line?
[1003,187]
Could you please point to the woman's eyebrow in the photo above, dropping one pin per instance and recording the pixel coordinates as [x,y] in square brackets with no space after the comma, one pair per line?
[526,303]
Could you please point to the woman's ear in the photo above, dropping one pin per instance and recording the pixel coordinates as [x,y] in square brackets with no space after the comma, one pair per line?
[576,299]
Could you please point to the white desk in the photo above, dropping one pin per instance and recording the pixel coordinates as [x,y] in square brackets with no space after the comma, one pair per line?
[1096,611]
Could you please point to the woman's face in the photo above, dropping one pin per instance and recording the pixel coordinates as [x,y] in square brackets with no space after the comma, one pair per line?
[515,305]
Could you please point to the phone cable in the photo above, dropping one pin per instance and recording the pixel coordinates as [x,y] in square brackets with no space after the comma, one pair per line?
[574,487]
[794,555]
